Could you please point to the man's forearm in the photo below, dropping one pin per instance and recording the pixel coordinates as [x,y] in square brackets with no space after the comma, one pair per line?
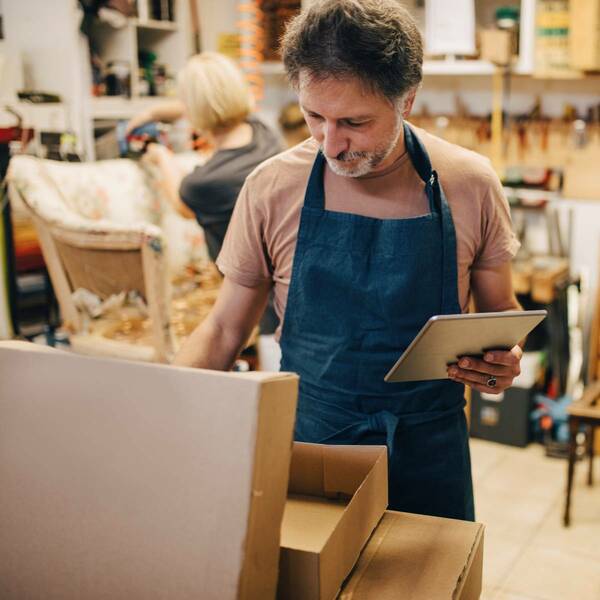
[210,347]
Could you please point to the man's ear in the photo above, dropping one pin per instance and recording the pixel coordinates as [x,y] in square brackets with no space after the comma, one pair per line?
[408,103]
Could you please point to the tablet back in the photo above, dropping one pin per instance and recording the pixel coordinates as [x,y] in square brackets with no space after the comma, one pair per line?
[445,338]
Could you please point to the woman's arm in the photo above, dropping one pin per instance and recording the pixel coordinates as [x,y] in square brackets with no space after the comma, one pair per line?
[171,177]
[166,111]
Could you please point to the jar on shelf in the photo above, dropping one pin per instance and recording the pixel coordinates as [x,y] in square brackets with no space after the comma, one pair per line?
[507,19]
[117,79]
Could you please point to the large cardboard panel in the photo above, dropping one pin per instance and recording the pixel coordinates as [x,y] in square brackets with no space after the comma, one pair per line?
[336,497]
[130,480]
[416,557]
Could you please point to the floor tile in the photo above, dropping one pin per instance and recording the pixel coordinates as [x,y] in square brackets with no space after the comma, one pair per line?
[528,555]
[500,554]
[582,538]
[528,475]
[551,574]
[510,596]
[489,593]
[485,456]
[509,513]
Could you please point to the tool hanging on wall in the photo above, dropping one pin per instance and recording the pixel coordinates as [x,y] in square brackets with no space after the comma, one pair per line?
[195,23]
[497,125]
[252,44]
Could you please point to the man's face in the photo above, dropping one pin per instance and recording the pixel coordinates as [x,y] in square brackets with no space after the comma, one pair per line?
[359,131]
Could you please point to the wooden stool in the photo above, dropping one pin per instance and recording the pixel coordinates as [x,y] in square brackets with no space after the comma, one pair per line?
[585,411]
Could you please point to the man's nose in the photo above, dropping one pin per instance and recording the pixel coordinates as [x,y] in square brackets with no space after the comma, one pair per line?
[334,141]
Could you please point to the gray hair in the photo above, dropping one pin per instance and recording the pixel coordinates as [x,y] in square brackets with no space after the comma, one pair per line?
[376,41]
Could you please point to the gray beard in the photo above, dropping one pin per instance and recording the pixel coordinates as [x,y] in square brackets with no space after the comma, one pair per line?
[367,161]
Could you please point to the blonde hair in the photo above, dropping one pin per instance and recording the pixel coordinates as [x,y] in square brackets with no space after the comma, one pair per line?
[214,92]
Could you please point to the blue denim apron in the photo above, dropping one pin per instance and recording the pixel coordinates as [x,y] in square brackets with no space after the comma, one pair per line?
[361,288]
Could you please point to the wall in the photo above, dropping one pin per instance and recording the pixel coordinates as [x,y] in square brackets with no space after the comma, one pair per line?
[44,36]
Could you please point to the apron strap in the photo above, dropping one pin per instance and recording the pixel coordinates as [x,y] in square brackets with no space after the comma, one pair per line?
[314,197]
[422,165]
[387,423]
[438,204]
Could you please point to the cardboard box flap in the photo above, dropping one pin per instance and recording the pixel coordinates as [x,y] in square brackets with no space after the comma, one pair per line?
[336,498]
[414,557]
[151,481]
[331,471]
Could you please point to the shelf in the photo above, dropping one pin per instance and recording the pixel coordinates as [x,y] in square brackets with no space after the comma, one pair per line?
[155,25]
[454,68]
[118,107]
[272,67]
[555,198]
[458,67]
[430,67]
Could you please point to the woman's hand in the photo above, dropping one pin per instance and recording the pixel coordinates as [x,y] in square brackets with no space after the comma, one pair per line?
[158,155]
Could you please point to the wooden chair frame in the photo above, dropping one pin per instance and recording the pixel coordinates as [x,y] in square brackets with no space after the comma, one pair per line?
[153,260]
[585,411]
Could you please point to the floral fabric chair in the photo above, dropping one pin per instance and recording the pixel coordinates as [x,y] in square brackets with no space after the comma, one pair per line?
[105,227]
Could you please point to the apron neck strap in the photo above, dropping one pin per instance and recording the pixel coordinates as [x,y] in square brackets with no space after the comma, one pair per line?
[315,190]
[418,155]
[422,165]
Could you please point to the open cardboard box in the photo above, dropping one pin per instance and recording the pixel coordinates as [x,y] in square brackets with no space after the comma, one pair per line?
[415,557]
[131,480]
[128,480]
[336,497]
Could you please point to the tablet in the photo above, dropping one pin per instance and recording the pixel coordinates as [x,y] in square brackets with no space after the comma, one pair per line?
[445,338]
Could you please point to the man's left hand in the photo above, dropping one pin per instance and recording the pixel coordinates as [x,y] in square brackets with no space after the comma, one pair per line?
[491,375]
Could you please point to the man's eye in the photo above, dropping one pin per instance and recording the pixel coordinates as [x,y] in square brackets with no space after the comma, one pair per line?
[356,123]
[314,116]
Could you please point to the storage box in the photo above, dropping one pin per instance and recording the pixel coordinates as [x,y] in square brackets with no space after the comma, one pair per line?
[503,417]
[584,34]
[128,480]
[496,46]
[415,557]
[336,497]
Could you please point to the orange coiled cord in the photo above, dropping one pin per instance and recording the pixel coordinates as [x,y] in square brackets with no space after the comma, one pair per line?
[252,45]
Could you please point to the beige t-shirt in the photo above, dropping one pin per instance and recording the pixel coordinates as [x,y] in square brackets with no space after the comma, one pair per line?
[261,239]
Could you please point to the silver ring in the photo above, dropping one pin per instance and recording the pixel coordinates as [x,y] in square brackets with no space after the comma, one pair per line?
[491,382]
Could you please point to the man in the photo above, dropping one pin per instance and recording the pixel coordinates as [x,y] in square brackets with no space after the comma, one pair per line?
[364,242]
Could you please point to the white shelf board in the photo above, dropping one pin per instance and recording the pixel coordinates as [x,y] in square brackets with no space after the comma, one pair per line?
[430,67]
[553,197]
[458,67]
[445,68]
[272,67]
[118,107]
[155,25]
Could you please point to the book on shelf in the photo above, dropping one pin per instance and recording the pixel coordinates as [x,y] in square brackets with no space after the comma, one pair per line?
[156,10]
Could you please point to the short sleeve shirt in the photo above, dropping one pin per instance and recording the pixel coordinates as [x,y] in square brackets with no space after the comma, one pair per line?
[211,190]
[261,240]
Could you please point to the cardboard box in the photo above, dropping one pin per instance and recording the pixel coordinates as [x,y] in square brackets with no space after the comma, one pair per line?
[128,480]
[336,497]
[496,46]
[415,557]
[584,34]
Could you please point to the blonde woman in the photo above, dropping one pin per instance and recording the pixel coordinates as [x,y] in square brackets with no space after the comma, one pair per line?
[215,99]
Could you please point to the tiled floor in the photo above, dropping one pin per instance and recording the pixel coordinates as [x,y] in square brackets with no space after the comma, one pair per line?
[528,554]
